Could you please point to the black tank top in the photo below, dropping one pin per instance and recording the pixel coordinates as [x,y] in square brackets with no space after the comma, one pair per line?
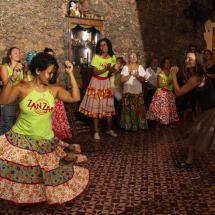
[206,95]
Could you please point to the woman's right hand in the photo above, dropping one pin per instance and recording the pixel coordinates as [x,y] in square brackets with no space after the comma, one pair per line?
[174,70]
[17,70]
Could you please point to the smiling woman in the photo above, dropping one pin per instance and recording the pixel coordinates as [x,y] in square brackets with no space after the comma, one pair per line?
[30,155]
[202,136]
[12,70]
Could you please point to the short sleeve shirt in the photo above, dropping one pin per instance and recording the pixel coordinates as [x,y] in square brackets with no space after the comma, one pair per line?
[100,63]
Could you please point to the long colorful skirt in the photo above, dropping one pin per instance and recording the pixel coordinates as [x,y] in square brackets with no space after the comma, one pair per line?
[60,121]
[162,108]
[30,171]
[202,133]
[133,116]
[98,101]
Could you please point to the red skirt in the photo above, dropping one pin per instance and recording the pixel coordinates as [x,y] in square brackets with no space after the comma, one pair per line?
[60,122]
[162,108]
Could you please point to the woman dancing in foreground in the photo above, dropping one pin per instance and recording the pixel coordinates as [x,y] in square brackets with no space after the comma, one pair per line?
[30,156]
[202,134]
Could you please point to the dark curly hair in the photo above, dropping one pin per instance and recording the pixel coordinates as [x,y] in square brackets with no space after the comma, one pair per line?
[48,50]
[110,50]
[41,62]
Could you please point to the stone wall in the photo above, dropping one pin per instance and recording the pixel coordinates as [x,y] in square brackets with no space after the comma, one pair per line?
[165,29]
[150,27]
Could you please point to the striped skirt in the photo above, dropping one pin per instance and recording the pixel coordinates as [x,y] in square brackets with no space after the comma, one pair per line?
[98,101]
[30,171]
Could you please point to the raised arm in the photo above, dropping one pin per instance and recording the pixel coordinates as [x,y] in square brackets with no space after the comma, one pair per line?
[10,93]
[74,94]
[193,82]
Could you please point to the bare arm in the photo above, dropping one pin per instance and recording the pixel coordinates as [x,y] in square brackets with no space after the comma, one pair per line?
[4,75]
[74,94]
[125,78]
[140,78]
[186,88]
[10,93]
[98,72]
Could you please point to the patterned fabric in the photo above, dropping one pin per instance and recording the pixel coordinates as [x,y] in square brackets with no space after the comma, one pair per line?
[60,121]
[21,141]
[162,107]
[34,174]
[30,171]
[100,63]
[133,112]
[98,101]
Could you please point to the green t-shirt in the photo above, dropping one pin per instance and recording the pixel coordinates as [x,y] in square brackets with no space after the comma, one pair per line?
[35,116]
[164,81]
[100,63]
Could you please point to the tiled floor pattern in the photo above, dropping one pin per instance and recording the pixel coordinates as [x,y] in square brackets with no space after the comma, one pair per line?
[134,174]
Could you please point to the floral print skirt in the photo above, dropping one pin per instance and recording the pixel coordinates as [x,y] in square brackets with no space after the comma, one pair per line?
[60,121]
[30,171]
[133,115]
[162,108]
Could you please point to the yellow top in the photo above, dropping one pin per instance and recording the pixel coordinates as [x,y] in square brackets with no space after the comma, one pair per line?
[100,63]
[35,116]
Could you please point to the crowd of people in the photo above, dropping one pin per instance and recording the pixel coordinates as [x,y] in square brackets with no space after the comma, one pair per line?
[34,123]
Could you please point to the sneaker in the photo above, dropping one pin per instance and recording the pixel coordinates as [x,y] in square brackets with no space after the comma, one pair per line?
[112,133]
[96,136]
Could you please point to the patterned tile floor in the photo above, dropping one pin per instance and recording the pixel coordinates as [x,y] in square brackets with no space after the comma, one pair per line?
[134,174]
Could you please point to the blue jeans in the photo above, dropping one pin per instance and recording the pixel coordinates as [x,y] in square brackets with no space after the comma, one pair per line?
[7,117]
